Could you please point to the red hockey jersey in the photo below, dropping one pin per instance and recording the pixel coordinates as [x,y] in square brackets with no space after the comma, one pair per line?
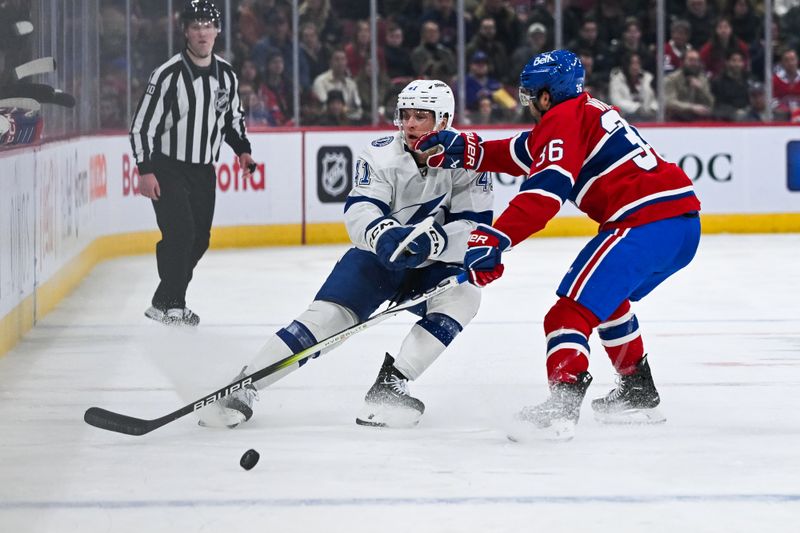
[585,152]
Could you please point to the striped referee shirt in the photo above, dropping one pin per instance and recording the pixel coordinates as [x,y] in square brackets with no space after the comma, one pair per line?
[186,111]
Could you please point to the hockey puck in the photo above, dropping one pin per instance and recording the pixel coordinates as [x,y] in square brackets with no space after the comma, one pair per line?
[249,459]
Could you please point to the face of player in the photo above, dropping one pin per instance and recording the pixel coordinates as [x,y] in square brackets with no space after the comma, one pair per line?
[415,123]
[200,36]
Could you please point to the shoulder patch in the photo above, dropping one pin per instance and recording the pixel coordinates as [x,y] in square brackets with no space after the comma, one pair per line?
[383,141]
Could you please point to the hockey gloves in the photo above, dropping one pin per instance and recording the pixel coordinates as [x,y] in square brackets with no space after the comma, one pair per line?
[482,260]
[458,150]
[399,247]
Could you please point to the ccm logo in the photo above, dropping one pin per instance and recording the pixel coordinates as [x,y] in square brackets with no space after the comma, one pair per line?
[479,239]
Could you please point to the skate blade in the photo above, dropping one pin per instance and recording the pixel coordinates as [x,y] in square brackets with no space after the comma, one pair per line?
[631,417]
[385,416]
[525,432]
[219,417]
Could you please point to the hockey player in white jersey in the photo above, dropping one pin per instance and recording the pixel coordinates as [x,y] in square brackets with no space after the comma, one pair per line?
[394,193]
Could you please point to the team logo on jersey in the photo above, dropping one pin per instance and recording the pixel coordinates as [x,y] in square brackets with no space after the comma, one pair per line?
[383,141]
[221,98]
[334,170]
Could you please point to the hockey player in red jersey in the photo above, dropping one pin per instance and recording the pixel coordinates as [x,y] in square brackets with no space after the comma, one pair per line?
[583,151]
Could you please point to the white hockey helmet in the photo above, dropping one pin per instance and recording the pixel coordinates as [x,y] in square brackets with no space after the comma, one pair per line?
[430,95]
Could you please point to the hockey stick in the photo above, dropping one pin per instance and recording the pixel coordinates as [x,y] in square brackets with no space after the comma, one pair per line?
[38,91]
[104,419]
[418,230]
[28,104]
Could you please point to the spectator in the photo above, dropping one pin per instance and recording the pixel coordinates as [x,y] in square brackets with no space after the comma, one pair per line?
[253,104]
[279,38]
[251,24]
[587,40]
[610,18]
[398,62]
[630,88]
[757,112]
[631,43]
[731,90]
[336,78]
[276,93]
[507,27]
[358,49]
[478,82]
[431,59]
[535,44]
[701,18]
[486,112]
[593,84]
[324,18]
[747,25]
[687,91]
[336,113]
[715,52]
[314,55]
[364,84]
[249,74]
[571,17]
[677,46]
[444,14]
[786,87]
[780,42]
[486,41]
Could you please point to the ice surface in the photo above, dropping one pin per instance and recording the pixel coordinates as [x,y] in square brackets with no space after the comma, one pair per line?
[724,344]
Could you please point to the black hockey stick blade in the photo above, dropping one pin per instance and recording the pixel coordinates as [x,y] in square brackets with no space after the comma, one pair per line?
[61,98]
[101,418]
[129,425]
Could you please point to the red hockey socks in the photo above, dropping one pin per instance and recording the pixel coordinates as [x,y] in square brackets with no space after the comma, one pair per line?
[622,339]
[567,326]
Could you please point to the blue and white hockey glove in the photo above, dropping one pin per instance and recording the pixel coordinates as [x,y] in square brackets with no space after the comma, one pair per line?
[399,247]
[485,247]
[458,150]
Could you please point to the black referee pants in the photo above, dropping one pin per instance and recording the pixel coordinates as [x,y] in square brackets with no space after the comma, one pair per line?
[184,213]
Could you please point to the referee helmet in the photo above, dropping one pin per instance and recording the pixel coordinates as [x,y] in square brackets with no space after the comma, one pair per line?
[201,10]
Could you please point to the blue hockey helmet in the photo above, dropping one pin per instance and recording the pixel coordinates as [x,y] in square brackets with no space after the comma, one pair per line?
[558,71]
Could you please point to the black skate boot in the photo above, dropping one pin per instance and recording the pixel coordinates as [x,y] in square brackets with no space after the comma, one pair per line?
[633,401]
[233,409]
[388,403]
[556,418]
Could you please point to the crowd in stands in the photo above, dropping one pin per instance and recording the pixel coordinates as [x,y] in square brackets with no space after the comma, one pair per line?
[714,56]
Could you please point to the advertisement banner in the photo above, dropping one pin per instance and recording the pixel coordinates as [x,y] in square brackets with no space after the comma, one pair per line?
[17,235]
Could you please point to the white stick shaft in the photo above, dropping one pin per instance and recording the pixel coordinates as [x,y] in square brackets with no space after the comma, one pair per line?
[418,230]
[43,65]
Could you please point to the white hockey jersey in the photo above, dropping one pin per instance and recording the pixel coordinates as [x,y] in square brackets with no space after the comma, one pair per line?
[387,182]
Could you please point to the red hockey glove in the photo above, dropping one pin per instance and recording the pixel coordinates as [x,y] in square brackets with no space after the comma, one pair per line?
[482,260]
[457,150]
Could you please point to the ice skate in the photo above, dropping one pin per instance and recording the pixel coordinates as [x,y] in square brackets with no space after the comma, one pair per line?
[556,418]
[176,316]
[388,403]
[633,401]
[231,410]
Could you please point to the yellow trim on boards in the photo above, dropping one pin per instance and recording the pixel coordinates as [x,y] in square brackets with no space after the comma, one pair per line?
[21,318]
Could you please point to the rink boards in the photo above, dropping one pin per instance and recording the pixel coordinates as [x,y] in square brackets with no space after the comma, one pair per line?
[66,205]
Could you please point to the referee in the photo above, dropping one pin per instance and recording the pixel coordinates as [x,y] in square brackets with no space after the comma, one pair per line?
[191,104]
